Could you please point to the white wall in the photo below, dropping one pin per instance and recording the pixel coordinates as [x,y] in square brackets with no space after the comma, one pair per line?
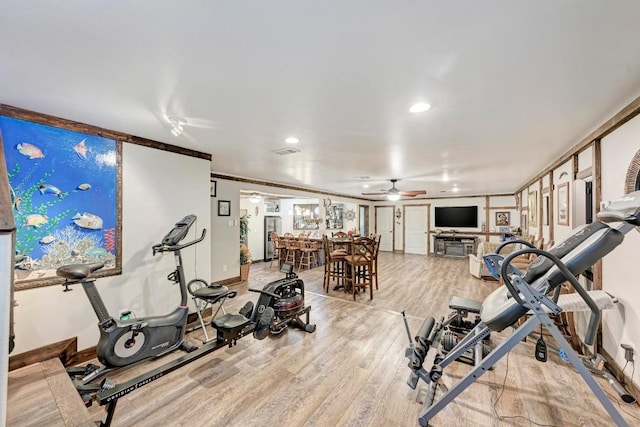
[479,201]
[620,277]
[225,263]
[256,227]
[153,200]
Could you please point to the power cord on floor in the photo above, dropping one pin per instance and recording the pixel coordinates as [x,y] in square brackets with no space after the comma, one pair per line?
[507,417]
[625,367]
[620,405]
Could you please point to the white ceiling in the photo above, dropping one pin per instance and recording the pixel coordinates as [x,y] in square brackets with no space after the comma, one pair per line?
[513,84]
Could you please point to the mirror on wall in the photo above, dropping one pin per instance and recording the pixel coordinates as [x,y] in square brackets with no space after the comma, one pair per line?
[335,216]
[306,217]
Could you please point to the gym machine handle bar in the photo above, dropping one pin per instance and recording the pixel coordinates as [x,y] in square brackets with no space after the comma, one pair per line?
[172,248]
[594,320]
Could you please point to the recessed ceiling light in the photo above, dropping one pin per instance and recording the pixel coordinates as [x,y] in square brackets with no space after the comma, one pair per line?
[292,140]
[455,189]
[365,186]
[420,107]
[445,177]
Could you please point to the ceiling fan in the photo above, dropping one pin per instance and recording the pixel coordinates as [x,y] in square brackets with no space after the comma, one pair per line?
[394,194]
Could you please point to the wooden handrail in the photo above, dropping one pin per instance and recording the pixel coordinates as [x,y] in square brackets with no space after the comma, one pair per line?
[7,223]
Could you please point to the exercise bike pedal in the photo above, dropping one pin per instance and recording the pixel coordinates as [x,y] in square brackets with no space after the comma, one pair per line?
[188,347]
[82,371]
[87,400]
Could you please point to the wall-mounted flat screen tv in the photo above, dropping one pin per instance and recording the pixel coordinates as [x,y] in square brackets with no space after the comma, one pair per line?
[456,216]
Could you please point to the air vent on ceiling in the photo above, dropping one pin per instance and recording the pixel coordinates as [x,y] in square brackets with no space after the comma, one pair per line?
[285,151]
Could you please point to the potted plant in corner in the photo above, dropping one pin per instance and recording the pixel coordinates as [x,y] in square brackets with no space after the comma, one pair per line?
[245,262]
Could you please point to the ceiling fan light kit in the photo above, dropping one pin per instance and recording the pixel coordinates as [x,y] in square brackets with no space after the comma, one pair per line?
[393,194]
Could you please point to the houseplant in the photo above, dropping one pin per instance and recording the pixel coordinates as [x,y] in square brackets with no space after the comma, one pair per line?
[245,262]
[244,229]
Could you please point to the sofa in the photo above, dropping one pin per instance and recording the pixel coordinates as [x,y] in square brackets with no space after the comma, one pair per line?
[477,268]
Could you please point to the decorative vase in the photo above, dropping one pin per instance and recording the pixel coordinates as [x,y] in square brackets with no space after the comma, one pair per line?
[244,271]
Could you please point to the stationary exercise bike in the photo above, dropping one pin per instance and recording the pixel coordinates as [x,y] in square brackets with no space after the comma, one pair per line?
[126,341]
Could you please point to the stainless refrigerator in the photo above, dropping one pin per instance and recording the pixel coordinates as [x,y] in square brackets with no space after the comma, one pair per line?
[271,223]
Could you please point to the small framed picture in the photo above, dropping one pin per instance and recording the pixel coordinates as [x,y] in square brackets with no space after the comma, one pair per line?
[502,219]
[214,188]
[563,204]
[224,208]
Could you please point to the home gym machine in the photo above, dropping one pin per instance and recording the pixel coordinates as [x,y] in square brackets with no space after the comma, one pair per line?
[536,293]
[126,341]
[280,304]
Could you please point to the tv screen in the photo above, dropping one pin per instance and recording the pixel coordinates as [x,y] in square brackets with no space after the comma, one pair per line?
[456,216]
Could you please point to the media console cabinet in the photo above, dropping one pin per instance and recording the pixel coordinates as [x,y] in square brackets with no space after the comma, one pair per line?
[454,245]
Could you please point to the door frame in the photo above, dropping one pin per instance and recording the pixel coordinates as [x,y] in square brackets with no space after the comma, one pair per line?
[366,218]
[404,226]
[393,224]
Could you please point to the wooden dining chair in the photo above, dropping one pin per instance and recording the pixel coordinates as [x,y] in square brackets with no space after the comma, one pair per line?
[359,264]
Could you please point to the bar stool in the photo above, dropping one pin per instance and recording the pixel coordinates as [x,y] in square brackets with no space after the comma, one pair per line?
[291,246]
[334,267]
[278,246]
[360,265]
[308,250]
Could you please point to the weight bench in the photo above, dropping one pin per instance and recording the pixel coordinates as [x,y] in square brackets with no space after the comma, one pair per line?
[538,287]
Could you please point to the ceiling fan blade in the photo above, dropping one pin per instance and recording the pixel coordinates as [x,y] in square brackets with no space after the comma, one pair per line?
[383,193]
[412,193]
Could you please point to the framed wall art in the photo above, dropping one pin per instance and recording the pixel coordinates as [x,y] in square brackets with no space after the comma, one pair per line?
[65,184]
[224,208]
[563,204]
[533,209]
[545,209]
[214,188]
[502,219]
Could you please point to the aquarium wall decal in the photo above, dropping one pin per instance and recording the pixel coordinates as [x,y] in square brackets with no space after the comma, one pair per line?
[65,185]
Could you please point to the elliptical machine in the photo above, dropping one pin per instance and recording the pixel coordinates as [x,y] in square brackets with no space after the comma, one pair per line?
[126,341]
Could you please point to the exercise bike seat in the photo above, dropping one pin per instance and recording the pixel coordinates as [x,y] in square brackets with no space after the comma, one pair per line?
[78,271]
[213,294]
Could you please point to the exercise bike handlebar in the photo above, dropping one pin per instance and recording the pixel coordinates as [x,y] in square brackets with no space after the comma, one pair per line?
[161,247]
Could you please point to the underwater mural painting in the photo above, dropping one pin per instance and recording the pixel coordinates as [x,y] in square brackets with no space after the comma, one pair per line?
[65,192]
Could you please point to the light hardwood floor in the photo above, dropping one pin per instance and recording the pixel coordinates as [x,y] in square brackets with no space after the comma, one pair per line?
[352,370]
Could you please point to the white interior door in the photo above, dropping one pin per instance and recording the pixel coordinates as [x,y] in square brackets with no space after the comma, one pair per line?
[415,230]
[384,227]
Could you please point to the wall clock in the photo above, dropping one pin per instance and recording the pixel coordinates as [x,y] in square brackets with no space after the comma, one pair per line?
[350,215]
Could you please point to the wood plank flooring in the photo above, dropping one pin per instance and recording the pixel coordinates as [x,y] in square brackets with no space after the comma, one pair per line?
[41,394]
[352,370]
